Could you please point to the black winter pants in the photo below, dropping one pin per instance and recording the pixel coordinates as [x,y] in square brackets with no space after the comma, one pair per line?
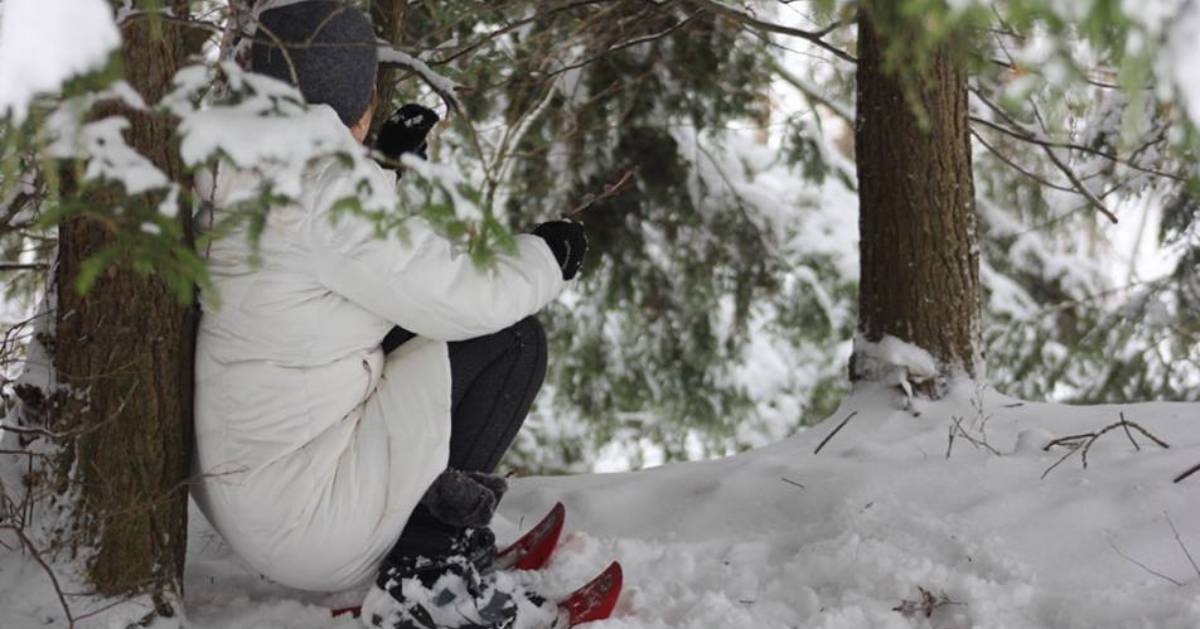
[494,379]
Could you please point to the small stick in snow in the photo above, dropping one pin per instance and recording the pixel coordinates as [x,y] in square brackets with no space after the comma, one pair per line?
[1085,440]
[956,426]
[792,482]
[926,606]
[1064,458]
[1125,425]
[1188,472]
[835,431]
[1121,424]
[1181,544]
[1066,441]
[1144,566]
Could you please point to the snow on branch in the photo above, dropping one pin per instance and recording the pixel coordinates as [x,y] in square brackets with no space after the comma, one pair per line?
[444,87]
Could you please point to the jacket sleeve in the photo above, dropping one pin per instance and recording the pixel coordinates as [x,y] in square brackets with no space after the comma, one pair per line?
[422,281]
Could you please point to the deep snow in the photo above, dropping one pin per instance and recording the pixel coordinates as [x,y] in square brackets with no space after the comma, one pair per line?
[780,537]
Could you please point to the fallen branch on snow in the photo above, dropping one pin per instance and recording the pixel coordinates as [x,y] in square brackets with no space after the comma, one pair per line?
[927,604]
[1188,472]
[835,431]
[1183,546]
[1084,441]
[956,428]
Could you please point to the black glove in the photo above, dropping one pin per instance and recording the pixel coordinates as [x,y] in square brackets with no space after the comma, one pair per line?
[405,132]
[567,241]
[464,499]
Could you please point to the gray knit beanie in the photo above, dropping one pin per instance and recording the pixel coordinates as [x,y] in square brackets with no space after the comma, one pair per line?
[326,71]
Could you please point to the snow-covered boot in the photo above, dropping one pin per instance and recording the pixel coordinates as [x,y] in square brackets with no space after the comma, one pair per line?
[458,590]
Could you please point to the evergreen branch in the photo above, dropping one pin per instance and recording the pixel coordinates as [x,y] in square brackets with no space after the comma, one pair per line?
[752,22]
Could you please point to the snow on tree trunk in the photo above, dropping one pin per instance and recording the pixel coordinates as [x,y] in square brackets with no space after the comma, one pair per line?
[123,352]
[919,256]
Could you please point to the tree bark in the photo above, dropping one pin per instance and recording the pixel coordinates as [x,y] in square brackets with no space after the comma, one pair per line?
[123,352]
[919,254]
[388,18]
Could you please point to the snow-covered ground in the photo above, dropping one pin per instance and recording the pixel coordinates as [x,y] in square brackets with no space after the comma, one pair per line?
[781,537]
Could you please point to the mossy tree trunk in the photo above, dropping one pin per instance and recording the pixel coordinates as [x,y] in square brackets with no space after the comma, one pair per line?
[919,254]
[123,352]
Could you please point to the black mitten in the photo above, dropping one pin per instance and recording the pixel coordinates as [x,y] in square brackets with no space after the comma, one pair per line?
[464,499]
[567,241]
[495,484]
[405,132]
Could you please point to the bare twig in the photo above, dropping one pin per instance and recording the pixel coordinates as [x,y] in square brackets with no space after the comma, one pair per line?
[1188,472]
[1018,131]
[1067,441]
[23,266]
[845,112]
[1125,425]
[956,427]
[1144,566]
[750,21]
[1079,185]
[1085,441]
[1064,458]
[835,431]
[792,482]
[925,606]
[610,190]
[998,154]
[1179,540]
[37,556]
[1159,442]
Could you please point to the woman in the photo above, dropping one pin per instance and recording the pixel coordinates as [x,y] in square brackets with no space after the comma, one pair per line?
[324,458]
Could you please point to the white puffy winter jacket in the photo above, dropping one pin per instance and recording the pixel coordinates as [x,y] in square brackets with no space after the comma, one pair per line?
[312,447]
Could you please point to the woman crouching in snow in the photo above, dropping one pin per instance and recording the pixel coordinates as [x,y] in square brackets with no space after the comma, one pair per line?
[328,457]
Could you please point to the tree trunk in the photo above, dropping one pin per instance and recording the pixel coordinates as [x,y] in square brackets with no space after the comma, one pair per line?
[919,255]
[388,18]
[124,352]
